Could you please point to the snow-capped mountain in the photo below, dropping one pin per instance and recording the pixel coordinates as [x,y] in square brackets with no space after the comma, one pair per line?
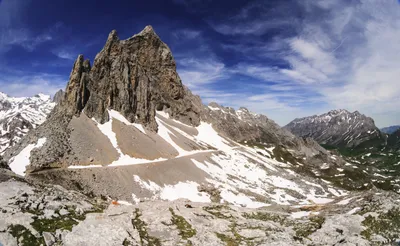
[172,171]
[18,115]
[338,128]
[157,140]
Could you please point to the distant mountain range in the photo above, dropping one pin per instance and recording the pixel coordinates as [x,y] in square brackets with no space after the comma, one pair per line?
[390,129]
[338,128]
[18,115]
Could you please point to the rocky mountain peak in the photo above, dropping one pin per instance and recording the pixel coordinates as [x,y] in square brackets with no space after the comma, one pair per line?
[59,96]
[337,127]
[2,95]
[338,112]
[134,77]
[76,92]
[148,30]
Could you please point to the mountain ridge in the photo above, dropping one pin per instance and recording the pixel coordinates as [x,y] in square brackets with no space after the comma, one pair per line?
[128,119]
[390,129]
[123,78]
[339,128]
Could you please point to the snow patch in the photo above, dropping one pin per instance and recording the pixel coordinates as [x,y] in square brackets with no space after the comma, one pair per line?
[354,210]
[187,190]
[19,162]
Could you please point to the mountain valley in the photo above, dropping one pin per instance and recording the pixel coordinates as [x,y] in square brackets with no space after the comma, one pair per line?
[128,155]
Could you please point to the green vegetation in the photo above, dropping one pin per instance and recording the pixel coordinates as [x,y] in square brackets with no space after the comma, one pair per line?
[266,217]
[385,224]
[216,211]
[236,239]
[65,222]
[141,227]
[304,230]
[186,230]
[24,236]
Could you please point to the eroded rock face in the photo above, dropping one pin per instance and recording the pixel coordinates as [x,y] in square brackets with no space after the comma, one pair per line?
[134,77]
[59,96]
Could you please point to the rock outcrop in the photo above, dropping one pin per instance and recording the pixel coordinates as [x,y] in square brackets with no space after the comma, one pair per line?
[244,126]
[59,96]
[3,164]
[51,215]
[134,77]
[338,128]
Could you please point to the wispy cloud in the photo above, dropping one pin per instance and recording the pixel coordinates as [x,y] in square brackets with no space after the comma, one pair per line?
[11,33]
[195,72]
[65,53]
[344,54]
[29,85]
[186,34]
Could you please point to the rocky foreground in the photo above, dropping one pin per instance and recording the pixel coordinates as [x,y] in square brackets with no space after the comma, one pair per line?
[33,214]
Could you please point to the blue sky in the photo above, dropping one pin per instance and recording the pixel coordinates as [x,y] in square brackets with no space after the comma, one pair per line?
[283,58]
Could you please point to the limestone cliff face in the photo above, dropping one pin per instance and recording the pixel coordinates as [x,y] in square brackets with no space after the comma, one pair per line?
[134,77]
[59,96]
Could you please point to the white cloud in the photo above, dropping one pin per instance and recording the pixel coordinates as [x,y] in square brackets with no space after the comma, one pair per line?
[65,54]
[355,53]
[344,53]
[20,86]
[195,72]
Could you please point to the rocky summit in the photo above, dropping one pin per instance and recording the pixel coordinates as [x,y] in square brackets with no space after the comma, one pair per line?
[129,156]
[338,128]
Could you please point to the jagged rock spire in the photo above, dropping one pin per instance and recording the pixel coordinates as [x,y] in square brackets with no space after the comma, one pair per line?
[136,76]
[76,93]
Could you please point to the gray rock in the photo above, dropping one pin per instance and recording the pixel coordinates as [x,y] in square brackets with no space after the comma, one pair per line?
[3,164]
[63,212]
[247,127]
[59,96]
[48,238]
[338,128]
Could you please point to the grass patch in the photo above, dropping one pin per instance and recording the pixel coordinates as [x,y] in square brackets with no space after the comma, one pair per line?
[386,224]
[65,222]
[186,230]
[24,236]
[304,230]
[216,211]
[265,217]
[236,239]
[141,227]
